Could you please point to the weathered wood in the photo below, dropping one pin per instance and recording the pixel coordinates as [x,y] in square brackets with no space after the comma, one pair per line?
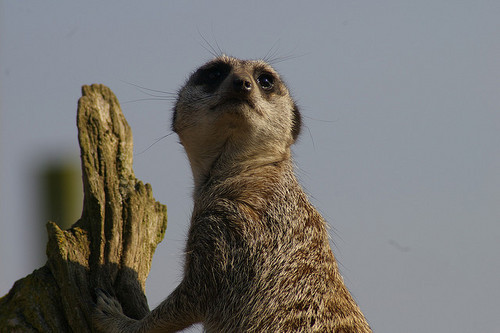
[112,244]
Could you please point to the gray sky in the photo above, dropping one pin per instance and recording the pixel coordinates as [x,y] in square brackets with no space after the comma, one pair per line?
[400,152]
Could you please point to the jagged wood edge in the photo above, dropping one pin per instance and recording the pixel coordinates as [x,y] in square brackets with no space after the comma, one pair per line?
[112,244]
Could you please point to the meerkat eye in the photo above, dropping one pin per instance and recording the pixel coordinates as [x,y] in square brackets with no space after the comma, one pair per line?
[266,81]
[212,75]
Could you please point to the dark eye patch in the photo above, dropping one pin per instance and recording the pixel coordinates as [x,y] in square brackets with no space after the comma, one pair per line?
[212,75]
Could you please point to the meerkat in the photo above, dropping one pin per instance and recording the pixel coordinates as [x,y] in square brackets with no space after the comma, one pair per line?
[258,257]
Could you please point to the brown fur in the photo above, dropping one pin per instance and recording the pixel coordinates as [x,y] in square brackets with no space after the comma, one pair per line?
[258,254]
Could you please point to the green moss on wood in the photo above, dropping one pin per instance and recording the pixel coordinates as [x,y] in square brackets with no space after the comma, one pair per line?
[111,246]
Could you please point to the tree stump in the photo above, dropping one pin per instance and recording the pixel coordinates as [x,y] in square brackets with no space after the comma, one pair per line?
[111,246]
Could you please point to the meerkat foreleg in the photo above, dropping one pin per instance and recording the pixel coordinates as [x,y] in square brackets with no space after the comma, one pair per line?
[173,314]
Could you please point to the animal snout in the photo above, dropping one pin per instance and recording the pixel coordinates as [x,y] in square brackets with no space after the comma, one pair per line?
[242,83]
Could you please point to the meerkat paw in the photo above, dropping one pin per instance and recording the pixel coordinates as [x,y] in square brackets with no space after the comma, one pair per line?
[107,304]
[108,314]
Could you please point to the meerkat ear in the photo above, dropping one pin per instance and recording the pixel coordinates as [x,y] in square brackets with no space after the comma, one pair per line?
[297,122]
[174,118]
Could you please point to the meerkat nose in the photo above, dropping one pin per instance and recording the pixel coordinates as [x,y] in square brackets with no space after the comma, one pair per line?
[242,83]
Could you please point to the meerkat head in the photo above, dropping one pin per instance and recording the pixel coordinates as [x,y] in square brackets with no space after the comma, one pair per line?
[236,111]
